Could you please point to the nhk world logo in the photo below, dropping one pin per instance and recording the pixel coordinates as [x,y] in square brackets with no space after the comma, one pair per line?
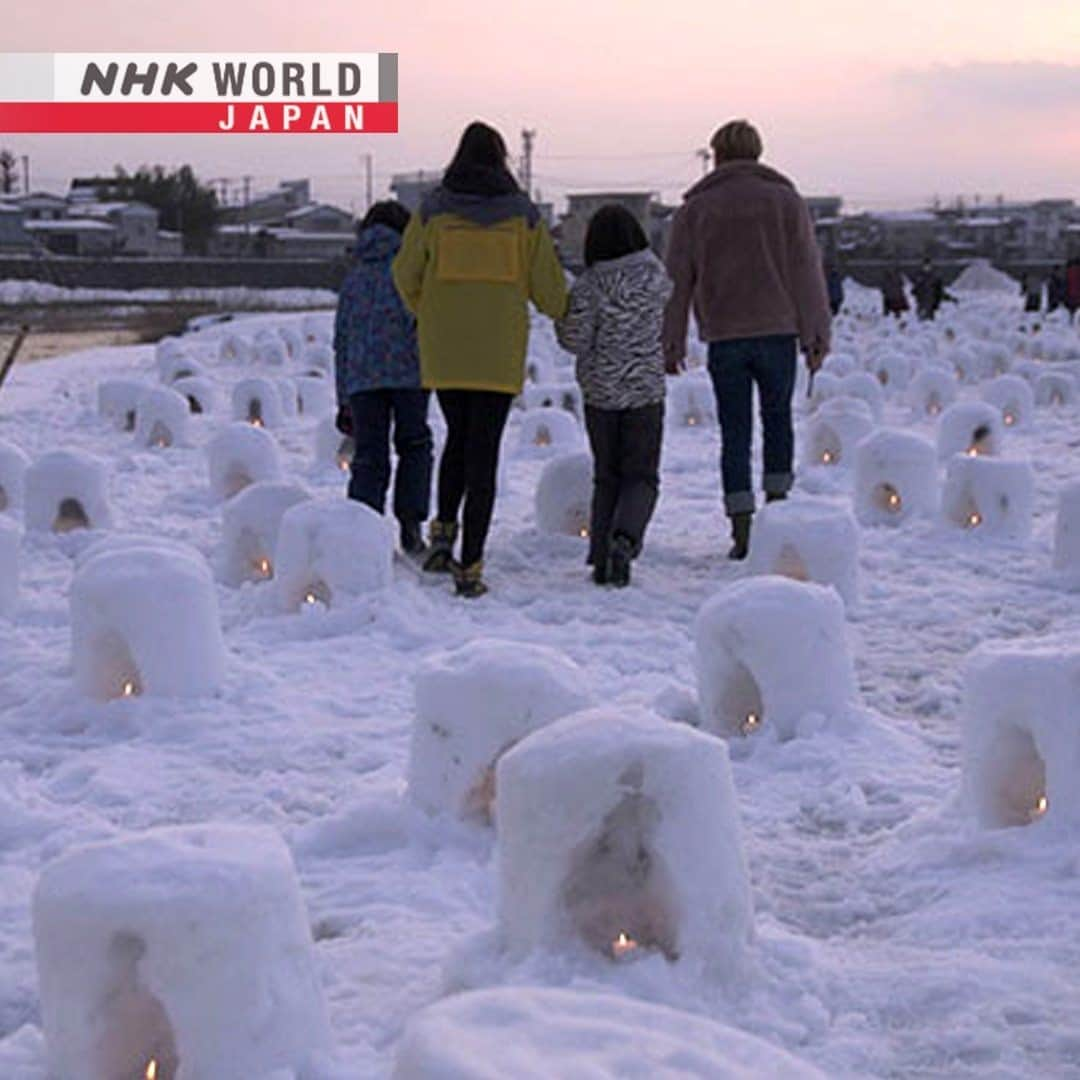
[227,93]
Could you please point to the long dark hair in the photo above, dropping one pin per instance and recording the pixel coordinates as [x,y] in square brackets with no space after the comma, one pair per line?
[389,212]
[613,232]
[478,166]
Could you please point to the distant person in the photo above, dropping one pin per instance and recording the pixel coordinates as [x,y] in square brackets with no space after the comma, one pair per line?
[612,326]
[928,290]
[377,367]
[473,257]
[894,300]
[1055,290]
[834,285]
[1031,287]
[743,251]
[1072,287]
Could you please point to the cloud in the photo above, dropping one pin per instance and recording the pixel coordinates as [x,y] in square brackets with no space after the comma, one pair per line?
[1022,86]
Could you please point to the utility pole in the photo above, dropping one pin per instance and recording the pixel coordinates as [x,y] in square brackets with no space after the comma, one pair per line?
[703,155]
[26,173]
[369,181]
[247,220]
[528,135]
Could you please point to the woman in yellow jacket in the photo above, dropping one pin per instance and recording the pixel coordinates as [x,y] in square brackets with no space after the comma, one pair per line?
[473,257]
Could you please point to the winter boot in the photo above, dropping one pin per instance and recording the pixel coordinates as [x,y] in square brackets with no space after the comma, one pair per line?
[440,556]
[412,538]
[740,535]
[618,563]
[469,580]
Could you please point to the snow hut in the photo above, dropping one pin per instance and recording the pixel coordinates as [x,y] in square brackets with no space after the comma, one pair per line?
[257,401]
[969,427]
[240,455]
[1012,397]
[931,392]
[250,525]
[1055,389]
[549,431]
[329,550]
[835,430]
[896,478]
[564,495]
[619,833]
[807,540]
[117,399]
[67,490]
[769,650]
[200,392]
[144,620]
[863,385]
[691,401]
[314,396]
[178,952]
[162,418]
[989,496]
[1021,732]
[472,705]
[332,449]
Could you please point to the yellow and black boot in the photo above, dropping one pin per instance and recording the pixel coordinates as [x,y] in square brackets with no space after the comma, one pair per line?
[440,555]
[469,580]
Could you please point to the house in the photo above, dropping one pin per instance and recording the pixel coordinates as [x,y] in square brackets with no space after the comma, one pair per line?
[269,208]
[279,242]
[581,208]
[41,206]
[14,239]
[136,224]
[320,217]
[74,236]
[410,188]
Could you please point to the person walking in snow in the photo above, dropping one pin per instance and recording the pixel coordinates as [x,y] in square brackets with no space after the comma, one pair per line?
[834,284]
[928,290]
[473,257]
[1055,290]
[1072,287]
[743,250]
[1031,287]
[612,326]
[894,300]
[377,368]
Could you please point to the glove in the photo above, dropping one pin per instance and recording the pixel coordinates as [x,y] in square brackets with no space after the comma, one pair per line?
[343,420]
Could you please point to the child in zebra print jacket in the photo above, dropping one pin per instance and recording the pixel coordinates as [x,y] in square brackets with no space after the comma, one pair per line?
[612,326]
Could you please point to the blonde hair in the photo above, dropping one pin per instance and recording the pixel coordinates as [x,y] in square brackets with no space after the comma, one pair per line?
[737,140]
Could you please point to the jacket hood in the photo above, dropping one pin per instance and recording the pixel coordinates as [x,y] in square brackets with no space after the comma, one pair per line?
[479,209]
[377,243]
[738,170]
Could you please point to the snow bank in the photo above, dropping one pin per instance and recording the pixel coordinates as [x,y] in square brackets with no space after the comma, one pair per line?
[66,490]
[472,705]
[981,276]
[535,1033]
[144,620]
[769,650]
[188,947]
[619,832]
[328,550]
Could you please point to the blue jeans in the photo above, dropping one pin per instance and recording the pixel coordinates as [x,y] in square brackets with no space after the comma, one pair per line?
[736,367]
[372,413]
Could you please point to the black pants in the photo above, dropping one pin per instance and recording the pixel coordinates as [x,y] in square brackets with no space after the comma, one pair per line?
[372,413]
[626,474]
[475,420]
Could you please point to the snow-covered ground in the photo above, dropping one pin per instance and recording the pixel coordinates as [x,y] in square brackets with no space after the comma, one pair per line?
[894,937]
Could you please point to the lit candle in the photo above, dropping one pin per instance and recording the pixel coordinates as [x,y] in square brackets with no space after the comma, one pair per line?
[263,567]
[1041,806]
[974,519]
[256,422]
[751,723]
[827,457]
[893,502]
[1056,399]
[151,1070]
[583,532]
[1010,419]
[933,408]
[624,945]
[128,689]
[311,598]
[691,421]
[973,451]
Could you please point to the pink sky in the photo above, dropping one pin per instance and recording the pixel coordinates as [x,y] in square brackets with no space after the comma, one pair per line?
[887,102]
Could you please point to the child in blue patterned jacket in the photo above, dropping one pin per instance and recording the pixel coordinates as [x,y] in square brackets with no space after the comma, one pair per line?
[377,366]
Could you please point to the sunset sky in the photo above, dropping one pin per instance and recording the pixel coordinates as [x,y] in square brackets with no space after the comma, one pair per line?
[887,102]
